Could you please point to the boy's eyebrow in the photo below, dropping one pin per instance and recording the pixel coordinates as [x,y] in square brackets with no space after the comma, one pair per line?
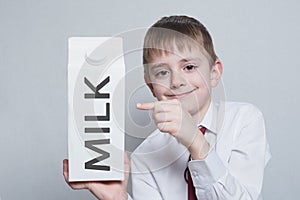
[183,60]
[155,65]
[188,59]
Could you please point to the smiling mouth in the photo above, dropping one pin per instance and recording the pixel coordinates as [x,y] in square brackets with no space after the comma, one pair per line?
[177,96]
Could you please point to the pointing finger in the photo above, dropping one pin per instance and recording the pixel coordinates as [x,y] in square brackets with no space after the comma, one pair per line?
[145,106]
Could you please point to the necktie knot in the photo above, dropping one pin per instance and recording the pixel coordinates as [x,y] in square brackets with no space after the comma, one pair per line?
[202,129]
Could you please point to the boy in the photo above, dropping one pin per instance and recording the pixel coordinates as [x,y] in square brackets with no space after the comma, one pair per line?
[211,150]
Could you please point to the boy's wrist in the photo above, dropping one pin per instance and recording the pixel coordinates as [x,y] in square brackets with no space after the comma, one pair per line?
[199,149]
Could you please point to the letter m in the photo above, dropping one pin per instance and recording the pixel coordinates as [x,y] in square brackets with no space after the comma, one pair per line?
[104,155]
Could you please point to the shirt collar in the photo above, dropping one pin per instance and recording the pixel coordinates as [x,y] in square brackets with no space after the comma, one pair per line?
[214,117]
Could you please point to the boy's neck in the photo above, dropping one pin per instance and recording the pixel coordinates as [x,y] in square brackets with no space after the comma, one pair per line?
[199,116]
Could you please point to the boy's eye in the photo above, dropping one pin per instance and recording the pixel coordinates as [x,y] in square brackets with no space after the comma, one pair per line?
[189,67]
[162,73]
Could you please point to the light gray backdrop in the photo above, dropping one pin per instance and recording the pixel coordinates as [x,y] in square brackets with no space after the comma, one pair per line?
[258,42]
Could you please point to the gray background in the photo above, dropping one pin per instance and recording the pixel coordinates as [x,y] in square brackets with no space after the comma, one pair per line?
[258,42]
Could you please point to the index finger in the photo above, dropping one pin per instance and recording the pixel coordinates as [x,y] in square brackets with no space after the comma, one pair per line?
[145,106]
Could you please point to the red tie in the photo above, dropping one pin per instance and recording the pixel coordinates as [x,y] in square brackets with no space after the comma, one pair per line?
[191,188]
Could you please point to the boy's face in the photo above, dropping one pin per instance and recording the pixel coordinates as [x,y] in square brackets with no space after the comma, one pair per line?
[185,76]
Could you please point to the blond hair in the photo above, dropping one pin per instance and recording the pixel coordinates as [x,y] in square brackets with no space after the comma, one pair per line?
[176,33]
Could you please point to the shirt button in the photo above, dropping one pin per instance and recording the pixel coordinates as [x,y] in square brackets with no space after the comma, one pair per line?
[194,173]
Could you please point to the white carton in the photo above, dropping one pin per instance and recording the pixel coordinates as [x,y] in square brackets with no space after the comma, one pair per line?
[96,74]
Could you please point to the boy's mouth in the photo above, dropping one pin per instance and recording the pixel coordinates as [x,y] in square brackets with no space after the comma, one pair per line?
[179,95]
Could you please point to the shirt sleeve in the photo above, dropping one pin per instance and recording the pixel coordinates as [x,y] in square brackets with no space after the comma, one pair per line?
[143,184]
[242,176]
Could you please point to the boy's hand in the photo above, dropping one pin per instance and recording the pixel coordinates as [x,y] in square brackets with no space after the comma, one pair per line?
[171,118]
[103,190]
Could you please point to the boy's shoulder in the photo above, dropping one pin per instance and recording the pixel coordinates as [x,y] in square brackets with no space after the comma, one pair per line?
[155,142]
[241,108]
[241,113]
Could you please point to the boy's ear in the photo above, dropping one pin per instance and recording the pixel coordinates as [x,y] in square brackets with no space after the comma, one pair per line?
[149,84]
[216,73]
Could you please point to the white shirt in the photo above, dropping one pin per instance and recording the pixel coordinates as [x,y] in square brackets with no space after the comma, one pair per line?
[233,169]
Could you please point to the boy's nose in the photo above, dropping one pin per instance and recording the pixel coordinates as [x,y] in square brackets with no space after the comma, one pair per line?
[177,80]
